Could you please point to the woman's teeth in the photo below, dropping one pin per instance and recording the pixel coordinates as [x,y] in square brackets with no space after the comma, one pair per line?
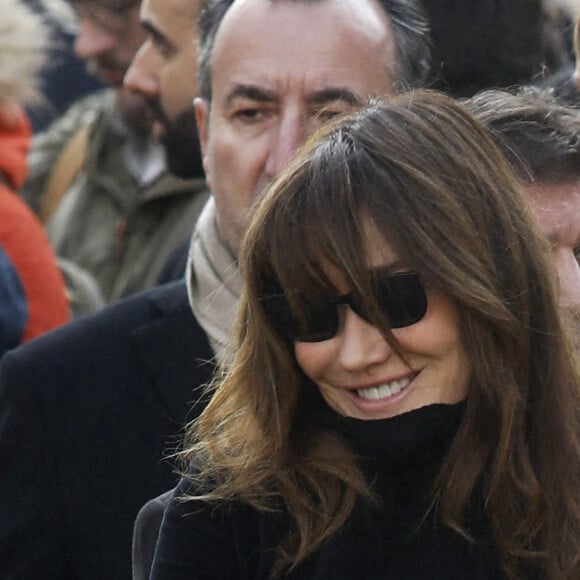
[386,390]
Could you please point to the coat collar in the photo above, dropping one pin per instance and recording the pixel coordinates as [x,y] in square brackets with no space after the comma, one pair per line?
[175,351]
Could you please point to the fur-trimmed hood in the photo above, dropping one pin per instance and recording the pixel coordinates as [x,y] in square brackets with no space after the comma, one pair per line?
[572,7]
[24,43]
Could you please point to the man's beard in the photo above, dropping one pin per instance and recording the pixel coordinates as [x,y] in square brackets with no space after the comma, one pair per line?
[181,142]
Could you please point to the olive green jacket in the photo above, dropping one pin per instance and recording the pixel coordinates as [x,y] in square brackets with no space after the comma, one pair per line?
[118,231]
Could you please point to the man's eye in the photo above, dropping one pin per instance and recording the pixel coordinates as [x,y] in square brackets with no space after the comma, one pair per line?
[577,253]
[164,50]
[161,46]
[249,114]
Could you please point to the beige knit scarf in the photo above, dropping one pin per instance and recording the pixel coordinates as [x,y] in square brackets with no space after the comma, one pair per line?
[213,280]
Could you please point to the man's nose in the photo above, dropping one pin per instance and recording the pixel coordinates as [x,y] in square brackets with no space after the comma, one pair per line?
[141,77]
[569,277]
[287,140]
[92,40]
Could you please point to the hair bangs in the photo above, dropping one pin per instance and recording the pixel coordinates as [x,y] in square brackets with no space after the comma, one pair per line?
[314,232]
[314,228]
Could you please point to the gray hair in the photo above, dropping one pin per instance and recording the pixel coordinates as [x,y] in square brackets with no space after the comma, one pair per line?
[539,136]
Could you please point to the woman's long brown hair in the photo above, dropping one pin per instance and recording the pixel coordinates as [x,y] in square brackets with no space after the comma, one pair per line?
[428,177]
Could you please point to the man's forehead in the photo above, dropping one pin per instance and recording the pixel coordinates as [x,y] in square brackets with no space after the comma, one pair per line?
[258,45]
[364,13]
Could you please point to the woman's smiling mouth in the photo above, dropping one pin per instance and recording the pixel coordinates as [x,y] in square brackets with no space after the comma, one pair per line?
[385,390]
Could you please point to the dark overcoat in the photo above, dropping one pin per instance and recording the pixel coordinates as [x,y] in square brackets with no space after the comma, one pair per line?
[87,414]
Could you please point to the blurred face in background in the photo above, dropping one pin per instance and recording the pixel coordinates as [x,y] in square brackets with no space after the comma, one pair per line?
[556,207]
[108,37]
[164,72]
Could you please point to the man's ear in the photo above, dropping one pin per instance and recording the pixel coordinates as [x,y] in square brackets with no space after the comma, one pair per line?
[576,77]
[201,107]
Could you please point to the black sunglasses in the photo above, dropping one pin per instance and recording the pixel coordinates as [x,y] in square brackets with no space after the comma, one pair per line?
[401,298]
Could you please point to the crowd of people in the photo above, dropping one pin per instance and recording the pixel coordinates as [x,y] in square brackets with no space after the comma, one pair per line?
[306,275]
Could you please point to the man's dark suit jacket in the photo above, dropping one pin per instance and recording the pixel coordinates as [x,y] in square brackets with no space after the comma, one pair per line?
[87,413]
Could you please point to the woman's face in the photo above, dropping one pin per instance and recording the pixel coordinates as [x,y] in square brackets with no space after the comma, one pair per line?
[358,373]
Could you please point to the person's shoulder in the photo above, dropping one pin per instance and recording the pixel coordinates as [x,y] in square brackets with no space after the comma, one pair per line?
[81,112]
[213,539]
[111,328]
[168,298]
[148,343]
[51,146]
[146,532]
[48,144]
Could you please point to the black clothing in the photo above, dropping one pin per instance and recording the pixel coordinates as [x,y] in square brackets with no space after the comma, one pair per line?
[390,540]
[176,264]
[146,533]
[87,413]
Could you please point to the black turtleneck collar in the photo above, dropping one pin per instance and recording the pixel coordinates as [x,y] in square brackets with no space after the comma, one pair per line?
[421,433]
[424,432]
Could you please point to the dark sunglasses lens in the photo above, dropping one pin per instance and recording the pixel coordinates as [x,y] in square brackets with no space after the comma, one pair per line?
[402,298]
[321,322]
[321,319]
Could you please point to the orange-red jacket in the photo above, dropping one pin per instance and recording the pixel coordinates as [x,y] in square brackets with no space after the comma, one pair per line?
[32,290]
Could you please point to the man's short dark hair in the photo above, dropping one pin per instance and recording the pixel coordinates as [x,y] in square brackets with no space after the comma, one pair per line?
[410,27]
[539,136]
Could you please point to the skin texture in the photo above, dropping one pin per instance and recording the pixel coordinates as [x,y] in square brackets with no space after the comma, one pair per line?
[358,357]
[556,208]
[164,72]
[269,93]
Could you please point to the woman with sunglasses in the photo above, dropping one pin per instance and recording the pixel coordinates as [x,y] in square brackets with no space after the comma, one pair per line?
[401,401]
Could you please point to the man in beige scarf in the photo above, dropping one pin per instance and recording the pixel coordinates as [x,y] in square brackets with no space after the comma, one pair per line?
[261,96]
[87,413]
[262,93]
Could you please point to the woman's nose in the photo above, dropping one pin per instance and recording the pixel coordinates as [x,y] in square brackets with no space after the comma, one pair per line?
[362,345]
